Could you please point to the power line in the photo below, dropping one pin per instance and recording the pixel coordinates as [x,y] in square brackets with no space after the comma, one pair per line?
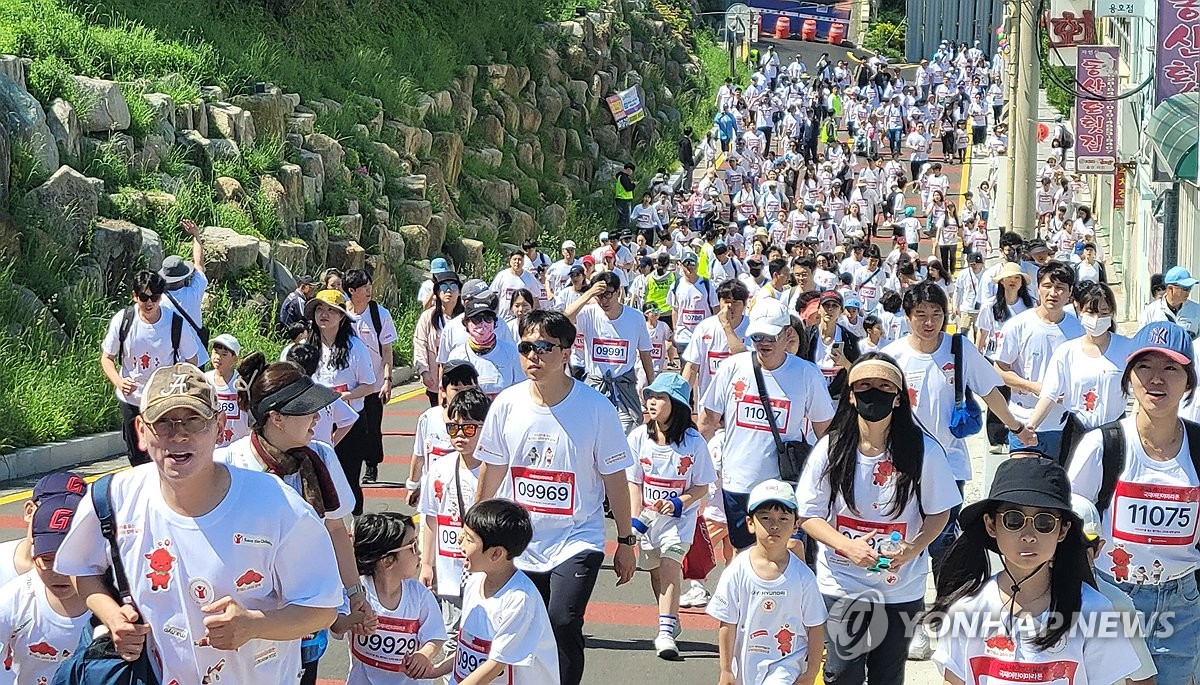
[1050,73]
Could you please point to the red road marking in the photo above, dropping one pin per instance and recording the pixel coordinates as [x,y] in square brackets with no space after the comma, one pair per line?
[371,492]
[13,522]
[404,412]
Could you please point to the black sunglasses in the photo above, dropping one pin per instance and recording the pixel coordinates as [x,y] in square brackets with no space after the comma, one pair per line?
[149,297]
[540,347]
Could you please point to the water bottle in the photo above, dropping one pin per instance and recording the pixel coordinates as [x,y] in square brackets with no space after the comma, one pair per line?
[644,520]
[888,549]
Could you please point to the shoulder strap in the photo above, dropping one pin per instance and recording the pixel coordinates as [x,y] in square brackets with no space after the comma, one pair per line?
[377,322]
[765,399]
[176,334]
[181,311]
[127,315]
[1112,454]
[102,502]
[956,350]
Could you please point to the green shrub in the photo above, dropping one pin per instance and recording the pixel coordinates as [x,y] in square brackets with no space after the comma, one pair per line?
[104,161]
[264,156]
[886,37]
[141,114]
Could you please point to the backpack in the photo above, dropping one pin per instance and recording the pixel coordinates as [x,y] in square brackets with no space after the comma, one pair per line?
[127,316]
[699,281]
[1112,452]
[376,323]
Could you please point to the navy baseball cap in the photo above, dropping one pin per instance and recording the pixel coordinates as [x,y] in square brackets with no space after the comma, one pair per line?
[1166,338]
[51,522]
[60,483]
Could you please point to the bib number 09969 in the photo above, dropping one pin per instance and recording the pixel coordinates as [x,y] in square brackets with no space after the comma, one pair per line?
[548,492]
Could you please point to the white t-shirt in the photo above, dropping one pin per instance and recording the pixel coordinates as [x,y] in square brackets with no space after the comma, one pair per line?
[558,275]
[799,398]
[612,345]
[334,416]
[666,471]
[1027,343]
[359,371]
[35,637]
[506,283]
[714,505]
[556,457]
[658,344]
[874,492]
[8,561]
[430,440]
[454,333]
[772,619]
[364,327]
[999,659]
[241,454]
[257,546]
[236,421]
[692,303]
[709,347]
[1140,550]
[439,508]
[1088,386]
[190,297]
[416,621]
[498,369]
[930,381]
[987,323]
[869,286]
[511,627]
[147,347]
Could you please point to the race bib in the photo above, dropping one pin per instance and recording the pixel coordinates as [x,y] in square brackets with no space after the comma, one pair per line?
[341,388]
[829,373]
[395,639]
[989,670]
[867,290]
[544,492]
[229,405]
[449,541]
[714,360]
[655,489]
[875,532]
[656,351]
[1155,514]
[610,351]
[691,317]
[473,651]
[750,414]
[579,342]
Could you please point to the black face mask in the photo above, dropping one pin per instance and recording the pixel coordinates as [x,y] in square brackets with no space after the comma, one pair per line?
[874,404]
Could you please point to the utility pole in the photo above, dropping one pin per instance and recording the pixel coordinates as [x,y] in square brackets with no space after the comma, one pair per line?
[1023,119]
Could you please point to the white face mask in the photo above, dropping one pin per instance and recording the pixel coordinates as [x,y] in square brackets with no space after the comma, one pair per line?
[1095,325]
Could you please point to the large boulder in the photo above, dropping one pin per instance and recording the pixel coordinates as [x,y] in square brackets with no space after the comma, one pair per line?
[351,225]
[391,245]
[26,122]
[416,241]
[164,113]
[553,217]
[292,254]
[608,140]
[66,129]
[116,245]
[333,155]
[488,156]
[109,111]
[550,104]
[346,255]
[467,255]
[228,254]
[197,149]
[153,149]
[227,189]
[152,249]
[492,130]
[437,226]
[269,111]
[316,235]
[291,177]
[14,67]
[413,185]
[68,201]
[522,225]
[227,120]
[449,148]
[531,118]
[10,237]
[387,153]
[497,192]
[412,211]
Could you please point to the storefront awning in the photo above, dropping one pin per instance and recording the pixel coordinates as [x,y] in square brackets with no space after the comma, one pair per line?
[1173,131]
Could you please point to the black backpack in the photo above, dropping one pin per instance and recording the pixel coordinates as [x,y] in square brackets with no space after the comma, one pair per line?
[1113,456]
[127,316]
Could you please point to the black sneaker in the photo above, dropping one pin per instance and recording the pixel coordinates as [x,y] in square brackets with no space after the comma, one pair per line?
[371,475]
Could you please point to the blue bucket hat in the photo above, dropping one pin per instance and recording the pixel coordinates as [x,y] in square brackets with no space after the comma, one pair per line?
[671,384]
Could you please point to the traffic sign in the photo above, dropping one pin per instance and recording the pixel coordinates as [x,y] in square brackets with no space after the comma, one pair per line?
[1122,8]
[738,18]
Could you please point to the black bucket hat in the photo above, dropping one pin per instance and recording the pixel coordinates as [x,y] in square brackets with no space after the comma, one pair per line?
[301,397]
[1024,481]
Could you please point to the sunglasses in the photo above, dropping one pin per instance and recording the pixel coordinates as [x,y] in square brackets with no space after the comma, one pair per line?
[763,338]
[467,430]
[191,425]
[1016,520]
[539,347]
[448,287]
[148,297]
[410,547]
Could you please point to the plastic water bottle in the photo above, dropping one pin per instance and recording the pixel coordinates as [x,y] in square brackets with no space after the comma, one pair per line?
[644,520]
[888,549]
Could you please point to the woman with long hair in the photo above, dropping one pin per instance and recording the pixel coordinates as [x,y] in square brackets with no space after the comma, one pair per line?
[875,492]
[519,304]
[345,367]
[283,403]
[1044,594]
[428,334]
[1011,299]
[1142,475]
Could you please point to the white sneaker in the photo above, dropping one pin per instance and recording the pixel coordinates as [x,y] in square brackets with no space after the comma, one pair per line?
[695,597]
[920,649]
[666,648]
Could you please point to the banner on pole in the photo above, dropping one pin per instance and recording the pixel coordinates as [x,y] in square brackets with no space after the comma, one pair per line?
[1177,48]
[626,107]
[1119,190]
[1096,118]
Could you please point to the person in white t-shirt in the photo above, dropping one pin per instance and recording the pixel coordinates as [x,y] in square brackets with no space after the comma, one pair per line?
[557,275]
[334,421]
[717,338]
[797,395]
[374,326]
[692,298]
[556,447]
[224,377]
[661,347]
[874,498]
[186,284]
[233,559]
[1027,343]
[16,556]
[1039,619]
[614,339]
[41,614]
[771,612]
[506,634]
[140,339]
[670,476]
[495,360]
[431,442]
[512,279]
[1148,495]
[409,633]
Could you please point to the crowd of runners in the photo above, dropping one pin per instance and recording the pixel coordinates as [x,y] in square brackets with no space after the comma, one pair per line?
[765,378]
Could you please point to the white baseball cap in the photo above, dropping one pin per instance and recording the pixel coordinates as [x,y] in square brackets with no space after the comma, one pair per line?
[568,244]
[228,342]
[772,491]
[769,316]
[1086,511]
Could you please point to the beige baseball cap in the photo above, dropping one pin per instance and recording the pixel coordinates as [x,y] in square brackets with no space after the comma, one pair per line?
[179,386]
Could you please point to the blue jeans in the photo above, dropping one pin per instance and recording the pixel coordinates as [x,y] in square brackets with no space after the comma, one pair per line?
[894,137]
[1049,444]
[940,547]
[1175,612]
